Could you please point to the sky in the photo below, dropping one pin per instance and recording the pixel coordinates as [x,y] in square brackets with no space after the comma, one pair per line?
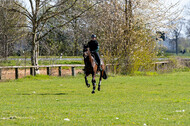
[183,4]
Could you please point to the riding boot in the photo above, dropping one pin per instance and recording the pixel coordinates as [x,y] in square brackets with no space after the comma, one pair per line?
[97,58]
[99,65]
[100,68]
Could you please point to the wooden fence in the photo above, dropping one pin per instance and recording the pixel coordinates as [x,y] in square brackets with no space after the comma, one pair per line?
[157,65]
[162,64]
[32,69]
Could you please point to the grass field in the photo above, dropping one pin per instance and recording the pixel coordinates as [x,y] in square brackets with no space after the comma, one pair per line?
[161,100]
[28,63]
[24,62]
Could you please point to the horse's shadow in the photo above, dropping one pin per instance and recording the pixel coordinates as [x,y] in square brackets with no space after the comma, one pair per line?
[53,94]
[42,94]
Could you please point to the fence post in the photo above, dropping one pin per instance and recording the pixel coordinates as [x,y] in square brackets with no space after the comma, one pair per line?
[73,71]
[59,70]
[32,71]
[16,73]
[48,71]
[156,66]
[0,74]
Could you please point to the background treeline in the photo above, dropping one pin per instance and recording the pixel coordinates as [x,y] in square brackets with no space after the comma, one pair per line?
[126,29]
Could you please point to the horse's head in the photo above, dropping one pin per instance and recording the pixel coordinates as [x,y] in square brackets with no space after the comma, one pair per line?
[85,51]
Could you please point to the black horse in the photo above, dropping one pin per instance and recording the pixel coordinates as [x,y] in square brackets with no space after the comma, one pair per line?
[91,67]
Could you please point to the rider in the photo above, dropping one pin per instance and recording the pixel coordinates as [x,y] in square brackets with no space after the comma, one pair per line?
[94,48]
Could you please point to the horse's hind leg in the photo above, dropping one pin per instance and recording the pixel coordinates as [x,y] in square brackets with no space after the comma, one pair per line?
[94,86]
[86,81]
[100,79]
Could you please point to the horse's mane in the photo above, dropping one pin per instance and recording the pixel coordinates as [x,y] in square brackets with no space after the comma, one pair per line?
[85,46]
[89,58]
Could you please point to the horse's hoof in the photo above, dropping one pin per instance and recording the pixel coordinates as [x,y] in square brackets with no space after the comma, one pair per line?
[88,85]
[98,88]
[93,92]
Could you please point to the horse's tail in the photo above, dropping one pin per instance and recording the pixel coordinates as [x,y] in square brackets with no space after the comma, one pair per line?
[104,75]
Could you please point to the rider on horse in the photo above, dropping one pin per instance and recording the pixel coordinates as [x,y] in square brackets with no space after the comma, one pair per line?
[94,48]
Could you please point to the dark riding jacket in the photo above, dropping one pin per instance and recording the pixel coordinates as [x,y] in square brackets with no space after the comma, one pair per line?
[94,48]
[93,45]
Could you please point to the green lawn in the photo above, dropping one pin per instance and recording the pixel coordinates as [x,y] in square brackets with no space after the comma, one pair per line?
[24,62]
[28,63]
[171,55]
[123,100]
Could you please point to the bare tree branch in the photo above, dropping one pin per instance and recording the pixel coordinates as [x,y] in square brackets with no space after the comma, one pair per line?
[43,17]
[31,5]
[23,13]
[75,17]
[27,12]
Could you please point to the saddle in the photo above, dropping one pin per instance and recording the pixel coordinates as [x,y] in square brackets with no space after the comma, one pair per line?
[101,62]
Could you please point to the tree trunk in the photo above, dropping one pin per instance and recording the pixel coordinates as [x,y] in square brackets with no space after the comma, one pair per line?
[33,61]
[128,23]
[75,38]
[176,46]
[5,47]
[76,48]
[34,53]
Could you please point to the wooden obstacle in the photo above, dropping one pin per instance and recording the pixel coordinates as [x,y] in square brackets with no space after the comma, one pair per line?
[160,64]
[32,69]
[73,66]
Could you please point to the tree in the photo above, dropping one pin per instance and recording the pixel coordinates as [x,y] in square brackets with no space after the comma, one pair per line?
[127,32]
[176,32]
[42,11]
[188,30]
[188,21]
[10,27]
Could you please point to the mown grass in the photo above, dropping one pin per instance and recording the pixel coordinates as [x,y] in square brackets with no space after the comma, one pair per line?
[24,62]
[169,55]
[28,63]
[123,100]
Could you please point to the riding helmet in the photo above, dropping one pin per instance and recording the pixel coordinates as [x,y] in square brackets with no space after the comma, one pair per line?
[93,36]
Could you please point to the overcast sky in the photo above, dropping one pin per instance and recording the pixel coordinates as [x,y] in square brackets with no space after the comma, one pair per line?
[183,4]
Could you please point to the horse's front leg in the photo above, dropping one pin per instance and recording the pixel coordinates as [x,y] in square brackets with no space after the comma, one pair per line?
[86,81]
[94,83]
[100,79]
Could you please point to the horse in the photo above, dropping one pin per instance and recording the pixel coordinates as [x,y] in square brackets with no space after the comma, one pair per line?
[91,67]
